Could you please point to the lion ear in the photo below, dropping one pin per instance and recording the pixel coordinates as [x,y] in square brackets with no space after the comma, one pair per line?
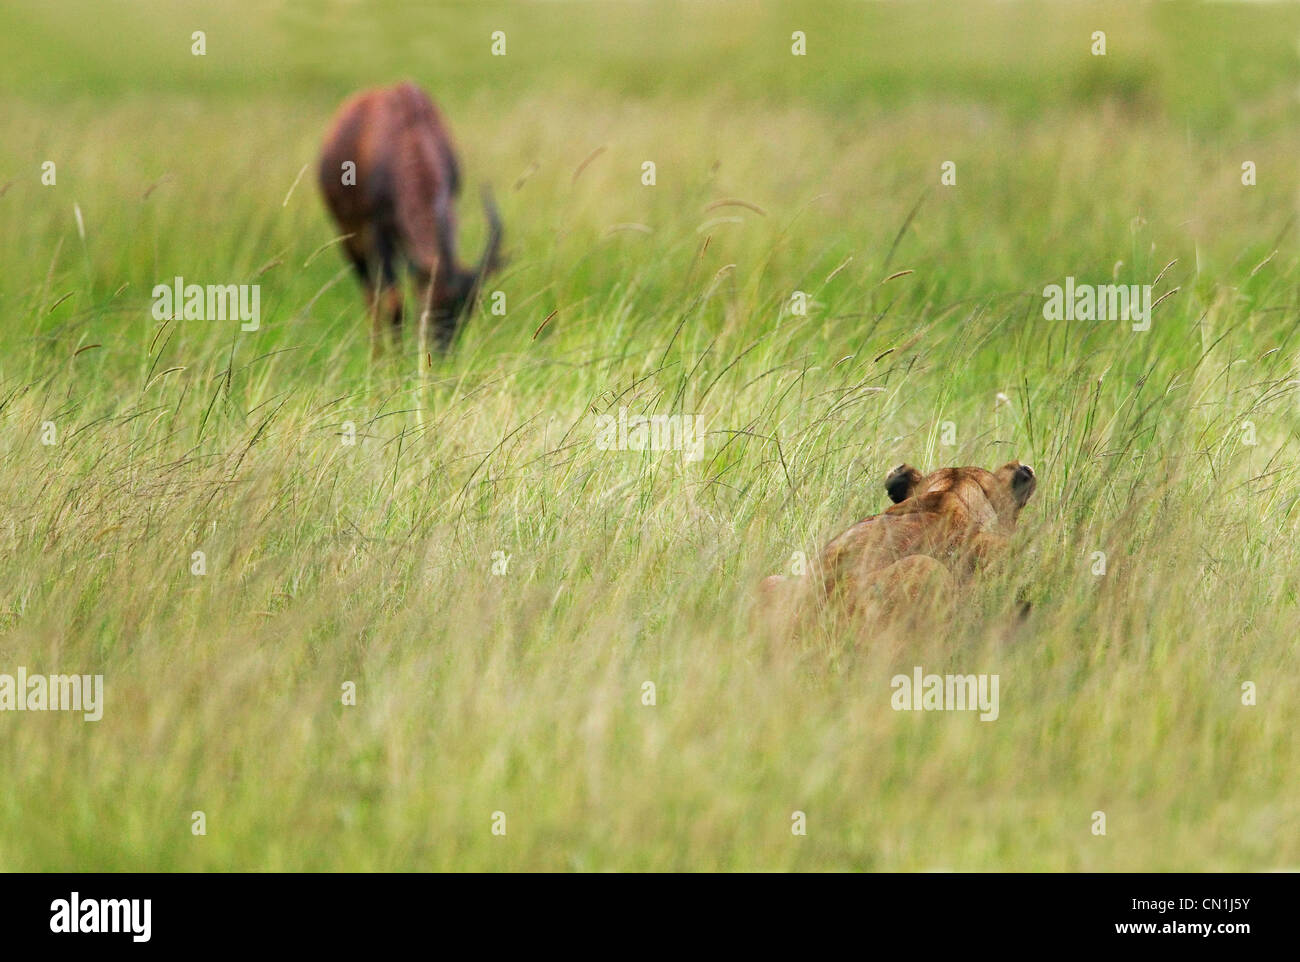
[901,482]
[1023,482]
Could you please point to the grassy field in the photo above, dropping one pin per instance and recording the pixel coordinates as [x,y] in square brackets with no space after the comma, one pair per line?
[1173,451]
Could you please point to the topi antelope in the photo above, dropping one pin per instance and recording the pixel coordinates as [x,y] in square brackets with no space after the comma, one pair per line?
[397,208]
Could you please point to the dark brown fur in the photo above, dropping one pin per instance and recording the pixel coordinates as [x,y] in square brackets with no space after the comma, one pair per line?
[401,210]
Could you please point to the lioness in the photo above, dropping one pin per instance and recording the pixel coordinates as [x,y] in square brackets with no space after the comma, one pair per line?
[941,524]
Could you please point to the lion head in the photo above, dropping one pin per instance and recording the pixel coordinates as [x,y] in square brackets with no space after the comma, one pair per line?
[941,525]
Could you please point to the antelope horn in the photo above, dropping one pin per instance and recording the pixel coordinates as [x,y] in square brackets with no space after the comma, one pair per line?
[491,259]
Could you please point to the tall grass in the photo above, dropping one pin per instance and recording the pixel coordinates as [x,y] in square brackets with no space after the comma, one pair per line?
[522,692]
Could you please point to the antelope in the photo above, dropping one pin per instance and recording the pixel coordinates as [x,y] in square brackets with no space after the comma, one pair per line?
[397,209]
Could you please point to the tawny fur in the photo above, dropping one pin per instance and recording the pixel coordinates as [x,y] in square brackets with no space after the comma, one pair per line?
[941,529]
